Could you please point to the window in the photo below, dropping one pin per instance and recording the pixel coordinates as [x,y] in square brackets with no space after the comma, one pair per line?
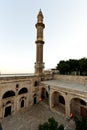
[8,94]
[82,102]
[61,100]
[23,90]
[36,83]
[17,85]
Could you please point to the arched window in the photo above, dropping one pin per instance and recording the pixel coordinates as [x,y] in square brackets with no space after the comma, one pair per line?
[61,100]
[17,85]
[9,94]
[23,90]
[36,83]
[82,102]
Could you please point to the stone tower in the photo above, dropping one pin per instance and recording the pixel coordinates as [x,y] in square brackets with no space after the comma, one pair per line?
[39,65]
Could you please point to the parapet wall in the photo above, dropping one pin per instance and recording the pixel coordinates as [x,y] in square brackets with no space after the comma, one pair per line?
[73,78]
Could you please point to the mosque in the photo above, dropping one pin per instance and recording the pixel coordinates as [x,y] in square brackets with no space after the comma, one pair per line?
[64,94]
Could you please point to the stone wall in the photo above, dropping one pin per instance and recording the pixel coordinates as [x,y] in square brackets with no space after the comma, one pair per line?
[23,97]
[73,78]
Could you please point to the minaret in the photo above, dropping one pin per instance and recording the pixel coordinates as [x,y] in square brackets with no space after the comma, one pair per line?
[39,65]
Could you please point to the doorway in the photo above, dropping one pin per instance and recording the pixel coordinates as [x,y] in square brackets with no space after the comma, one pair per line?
[7,111]
[35,100]
[22,103]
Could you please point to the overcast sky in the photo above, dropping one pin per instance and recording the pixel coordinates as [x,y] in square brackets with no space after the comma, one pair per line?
[65,33]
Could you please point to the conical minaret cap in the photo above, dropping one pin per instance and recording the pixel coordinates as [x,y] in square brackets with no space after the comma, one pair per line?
[40,17]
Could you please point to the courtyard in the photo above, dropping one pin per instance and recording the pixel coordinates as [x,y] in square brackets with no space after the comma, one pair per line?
[30,118]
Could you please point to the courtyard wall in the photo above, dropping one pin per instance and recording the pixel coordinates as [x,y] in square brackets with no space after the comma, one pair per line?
[73,78]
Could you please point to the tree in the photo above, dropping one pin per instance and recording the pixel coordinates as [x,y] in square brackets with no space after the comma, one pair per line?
[61,127]
[63,67]
[83,66]
[50,125]
[43,127]
[81,124]
[67,67]
[74,65]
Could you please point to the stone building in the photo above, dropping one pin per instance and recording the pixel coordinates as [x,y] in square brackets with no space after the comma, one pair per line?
[16,93]
[63,94]
[66,94]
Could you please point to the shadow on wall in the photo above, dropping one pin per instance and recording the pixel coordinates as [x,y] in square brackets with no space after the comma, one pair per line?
[1,127]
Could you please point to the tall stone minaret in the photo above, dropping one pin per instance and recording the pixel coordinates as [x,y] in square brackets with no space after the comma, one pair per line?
[39,65]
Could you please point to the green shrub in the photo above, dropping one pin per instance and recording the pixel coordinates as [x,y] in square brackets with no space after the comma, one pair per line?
[52,124]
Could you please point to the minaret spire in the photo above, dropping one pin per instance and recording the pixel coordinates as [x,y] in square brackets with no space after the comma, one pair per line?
[39,65]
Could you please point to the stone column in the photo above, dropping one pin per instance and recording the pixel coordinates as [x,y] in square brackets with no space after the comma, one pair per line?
[67,107]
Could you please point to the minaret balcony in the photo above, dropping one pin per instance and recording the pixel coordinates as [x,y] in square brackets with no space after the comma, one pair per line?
[39,41]
[40,24]
[39,65]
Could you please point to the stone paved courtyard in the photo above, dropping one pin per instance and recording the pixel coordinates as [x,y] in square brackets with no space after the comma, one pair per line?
[30,119]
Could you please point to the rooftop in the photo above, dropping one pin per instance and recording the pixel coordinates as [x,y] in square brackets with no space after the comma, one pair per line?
[69,85]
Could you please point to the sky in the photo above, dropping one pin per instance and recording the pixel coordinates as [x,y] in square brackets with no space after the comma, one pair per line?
[65,33]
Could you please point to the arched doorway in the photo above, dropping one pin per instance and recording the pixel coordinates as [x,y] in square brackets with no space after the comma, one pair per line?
[78,107]
[44,96]
[7,111]
[36,83]
[58,102]
[8,103]
[35,99]
[22,103]
[23,96]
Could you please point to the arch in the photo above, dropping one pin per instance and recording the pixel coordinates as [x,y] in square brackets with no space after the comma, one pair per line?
[22,103]
[58,102]
[44,96]
[35,96]
[78,107]
[36,83]
[23,90]
[44,93]
[8,94]
[8,102]
[61,99]
[7,111]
